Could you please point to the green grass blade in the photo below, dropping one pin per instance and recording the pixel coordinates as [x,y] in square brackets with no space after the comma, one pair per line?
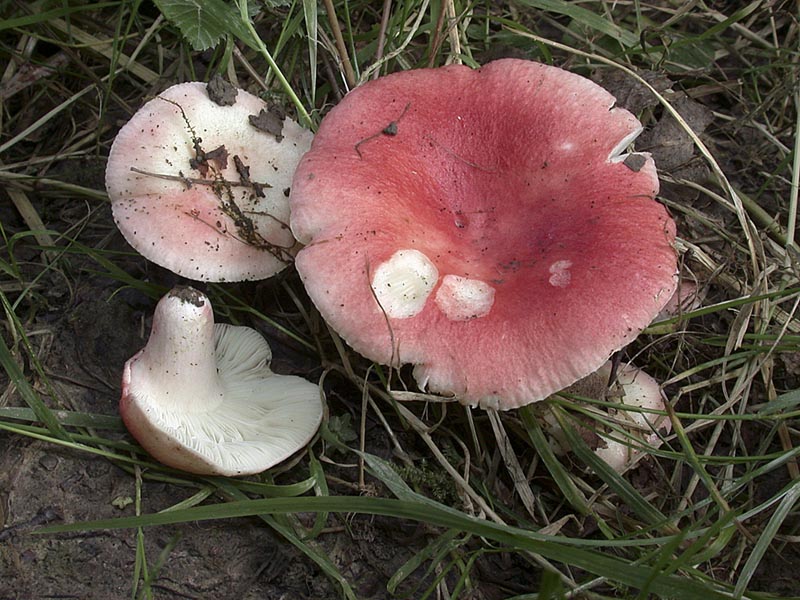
[269,490]
[48,15]
[310,15]
[192,500]
[551,547]
[788,401]
[586,18]
[433,552]
[64,417]
[321,489]
[560,476]
[641,507]
[765,539]
[24,388]
[318,557]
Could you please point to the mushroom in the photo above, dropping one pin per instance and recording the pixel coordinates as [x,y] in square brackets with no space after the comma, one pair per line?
[485,225]
[687,297]
[633,388]
[200,186]
[200,397]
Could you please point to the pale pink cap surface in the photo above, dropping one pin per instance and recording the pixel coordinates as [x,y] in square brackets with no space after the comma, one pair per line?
[220,231]
[485,226]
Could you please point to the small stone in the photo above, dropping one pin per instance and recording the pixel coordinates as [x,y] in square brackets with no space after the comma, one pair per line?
[48,462]
[121,502]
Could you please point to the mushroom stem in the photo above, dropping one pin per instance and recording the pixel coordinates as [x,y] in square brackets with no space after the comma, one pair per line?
[179,356]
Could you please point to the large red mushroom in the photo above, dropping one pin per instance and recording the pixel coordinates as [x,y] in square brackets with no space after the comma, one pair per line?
[485,225]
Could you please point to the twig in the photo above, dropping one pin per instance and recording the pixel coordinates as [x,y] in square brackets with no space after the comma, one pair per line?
[341,48]
[452,33]
[437,36]
[387,7]
[412,32]
[390,130]
[189,181]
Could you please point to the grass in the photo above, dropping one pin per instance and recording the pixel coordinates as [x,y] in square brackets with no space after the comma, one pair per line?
[705,512]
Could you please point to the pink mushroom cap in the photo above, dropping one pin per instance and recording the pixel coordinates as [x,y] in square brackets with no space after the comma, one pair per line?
[484,225]
[195,214]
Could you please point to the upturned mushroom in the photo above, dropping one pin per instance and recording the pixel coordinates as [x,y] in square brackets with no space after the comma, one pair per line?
[486,226]
[200,185]
[200,397]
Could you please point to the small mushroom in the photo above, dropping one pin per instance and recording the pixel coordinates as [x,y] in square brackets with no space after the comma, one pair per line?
[485,226]
[200,397]
[197,186]
[687,297]
[633,388]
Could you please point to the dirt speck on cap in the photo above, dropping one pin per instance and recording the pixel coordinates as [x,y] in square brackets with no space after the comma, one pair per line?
[221,91]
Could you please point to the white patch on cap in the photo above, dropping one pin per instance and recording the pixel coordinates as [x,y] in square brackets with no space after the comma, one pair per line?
[403,283]
[461,299]
[559,273]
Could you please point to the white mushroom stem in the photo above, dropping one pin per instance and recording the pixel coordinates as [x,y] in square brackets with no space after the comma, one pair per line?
[179,356]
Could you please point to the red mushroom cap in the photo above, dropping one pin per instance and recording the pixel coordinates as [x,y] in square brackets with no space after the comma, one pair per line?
[197,188]
[484,225]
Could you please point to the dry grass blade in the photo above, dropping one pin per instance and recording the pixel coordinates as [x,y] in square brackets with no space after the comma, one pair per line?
[521,484]
[106,48]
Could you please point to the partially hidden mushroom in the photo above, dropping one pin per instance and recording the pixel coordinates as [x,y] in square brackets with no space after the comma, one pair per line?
[487,226]
[687,297]
[200,185]
[201,397]
[635,414]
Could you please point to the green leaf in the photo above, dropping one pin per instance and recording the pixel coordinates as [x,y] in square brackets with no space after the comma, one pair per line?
[204,22]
